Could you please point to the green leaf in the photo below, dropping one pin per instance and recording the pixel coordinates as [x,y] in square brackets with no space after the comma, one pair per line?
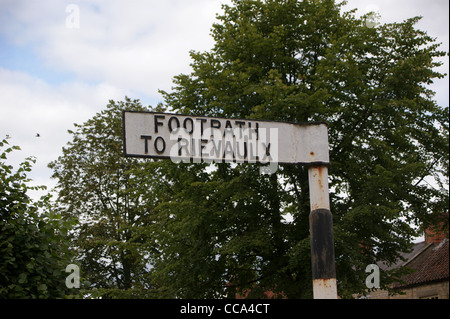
[42,287]
[22,278]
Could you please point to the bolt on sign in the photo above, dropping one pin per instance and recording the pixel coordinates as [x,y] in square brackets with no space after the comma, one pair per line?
[191,139]
[212,139]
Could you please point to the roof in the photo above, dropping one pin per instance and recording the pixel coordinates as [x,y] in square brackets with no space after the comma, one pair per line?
[406,256]
[430,264]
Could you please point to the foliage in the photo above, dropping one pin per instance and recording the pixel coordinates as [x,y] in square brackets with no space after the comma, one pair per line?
[33,245]
[163,230]
[305,61]
[112,202]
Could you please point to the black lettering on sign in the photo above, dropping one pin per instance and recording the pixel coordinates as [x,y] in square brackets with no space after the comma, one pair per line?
[146,138]
[170,123]
[185,125]
[162,145]
[201,124]
[228,149]
[252,157]
[228,128]
[202,145]
[267,153]
[256,130]
[216,148]
[240,124]
[215,124]
[158,123]
[238,146]
[193,147]
[184,146]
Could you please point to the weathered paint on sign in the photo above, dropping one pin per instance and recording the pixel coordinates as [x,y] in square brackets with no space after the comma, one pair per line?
[201,138]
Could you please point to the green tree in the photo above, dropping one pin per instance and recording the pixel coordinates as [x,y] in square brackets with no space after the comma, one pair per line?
[301,61]
[34,249]
[106,193]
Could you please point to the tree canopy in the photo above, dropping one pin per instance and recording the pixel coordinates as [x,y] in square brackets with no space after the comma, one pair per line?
[305,61]
[112,202]
[34,250]
[153,228]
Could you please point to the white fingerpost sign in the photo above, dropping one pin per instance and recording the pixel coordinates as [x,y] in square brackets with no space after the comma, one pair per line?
[193,139]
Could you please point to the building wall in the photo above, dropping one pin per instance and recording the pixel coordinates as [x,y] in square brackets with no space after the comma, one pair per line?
[439,290]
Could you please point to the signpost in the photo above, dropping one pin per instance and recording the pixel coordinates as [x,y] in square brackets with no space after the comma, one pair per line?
[184,138]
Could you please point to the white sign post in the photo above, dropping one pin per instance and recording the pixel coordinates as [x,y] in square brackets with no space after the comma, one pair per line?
[185,138]
[194,138]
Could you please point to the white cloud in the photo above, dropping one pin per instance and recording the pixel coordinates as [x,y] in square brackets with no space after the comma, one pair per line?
[30,106]
[435,21]
[122,48]
[138,45]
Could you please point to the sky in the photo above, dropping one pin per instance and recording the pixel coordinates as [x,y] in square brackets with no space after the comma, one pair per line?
[62,61]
